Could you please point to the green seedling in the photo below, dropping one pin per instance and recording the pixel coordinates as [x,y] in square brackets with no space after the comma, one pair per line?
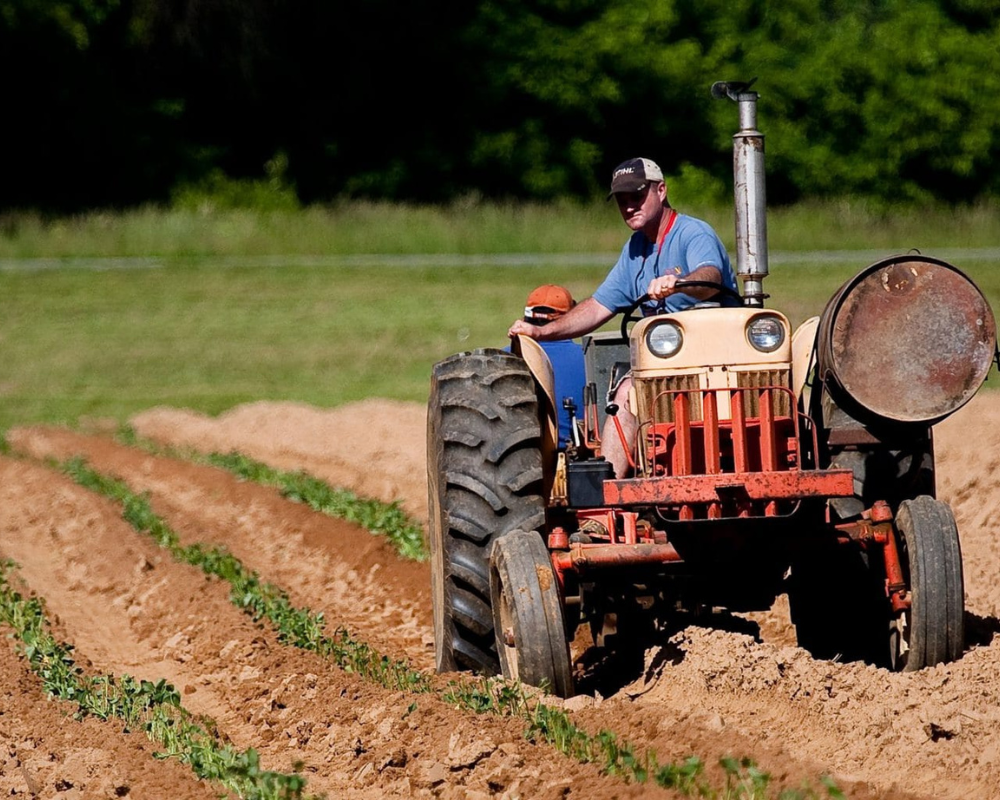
[305,629]
[154,707]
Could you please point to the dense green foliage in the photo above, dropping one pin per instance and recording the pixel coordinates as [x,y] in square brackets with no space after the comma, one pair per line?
[119,102]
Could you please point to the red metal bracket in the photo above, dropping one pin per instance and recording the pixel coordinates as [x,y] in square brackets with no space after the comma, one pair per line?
[680,489]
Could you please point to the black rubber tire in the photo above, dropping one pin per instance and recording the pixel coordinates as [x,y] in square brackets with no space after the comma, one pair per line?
[484,477]
[933,630]
[527,614]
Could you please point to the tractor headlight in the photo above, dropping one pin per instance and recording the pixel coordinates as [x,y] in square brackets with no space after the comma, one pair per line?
[766,333]
[665,339]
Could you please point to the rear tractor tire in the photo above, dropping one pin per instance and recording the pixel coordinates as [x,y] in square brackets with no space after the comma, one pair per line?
[932,631]
[484,477]
[528,614]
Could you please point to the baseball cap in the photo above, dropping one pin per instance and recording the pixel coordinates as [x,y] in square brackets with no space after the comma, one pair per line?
[634,175]
[548,302]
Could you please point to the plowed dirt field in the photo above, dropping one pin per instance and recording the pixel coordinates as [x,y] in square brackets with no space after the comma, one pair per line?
[127,607]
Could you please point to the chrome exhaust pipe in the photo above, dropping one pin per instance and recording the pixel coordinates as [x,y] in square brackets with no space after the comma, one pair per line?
[749,191]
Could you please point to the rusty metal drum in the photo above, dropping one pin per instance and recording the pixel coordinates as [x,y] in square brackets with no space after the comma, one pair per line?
[908,339]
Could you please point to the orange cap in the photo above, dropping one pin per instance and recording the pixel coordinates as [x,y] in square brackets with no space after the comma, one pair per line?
[548,302]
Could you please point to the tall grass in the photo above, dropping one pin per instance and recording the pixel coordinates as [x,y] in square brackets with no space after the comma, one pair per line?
[358,228]
[467,227]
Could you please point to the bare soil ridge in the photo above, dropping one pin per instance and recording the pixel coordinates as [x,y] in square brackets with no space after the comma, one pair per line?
[129,608]
[937,731]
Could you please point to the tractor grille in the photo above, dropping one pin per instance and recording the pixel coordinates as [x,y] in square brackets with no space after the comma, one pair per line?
[748,427]
[656,395]
[733,449]
[767,377]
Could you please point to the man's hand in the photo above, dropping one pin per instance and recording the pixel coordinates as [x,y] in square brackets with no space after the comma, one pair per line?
[523,328]
[662,287]
[671,284]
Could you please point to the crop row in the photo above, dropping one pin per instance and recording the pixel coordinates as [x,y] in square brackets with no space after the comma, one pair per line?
[302,628]
[154,707]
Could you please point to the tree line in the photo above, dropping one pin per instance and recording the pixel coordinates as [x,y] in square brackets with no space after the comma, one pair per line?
[112,103]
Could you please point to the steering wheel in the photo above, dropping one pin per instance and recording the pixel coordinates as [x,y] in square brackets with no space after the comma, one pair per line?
[629,315]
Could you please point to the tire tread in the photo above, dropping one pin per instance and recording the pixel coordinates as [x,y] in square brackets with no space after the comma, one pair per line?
[484,480]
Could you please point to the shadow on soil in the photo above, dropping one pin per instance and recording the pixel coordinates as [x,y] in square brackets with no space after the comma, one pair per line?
[605,671]
[980,631]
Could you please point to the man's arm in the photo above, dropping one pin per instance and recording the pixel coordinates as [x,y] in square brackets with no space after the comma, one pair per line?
[582,318]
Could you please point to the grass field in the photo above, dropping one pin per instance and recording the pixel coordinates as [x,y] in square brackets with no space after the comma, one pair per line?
[467,227]
[214,310]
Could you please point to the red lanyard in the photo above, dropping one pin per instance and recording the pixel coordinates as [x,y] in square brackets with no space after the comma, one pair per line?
[659,247]
[666,232]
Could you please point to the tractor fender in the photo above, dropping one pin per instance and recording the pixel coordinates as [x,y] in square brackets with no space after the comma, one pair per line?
[541,370]
[803,347]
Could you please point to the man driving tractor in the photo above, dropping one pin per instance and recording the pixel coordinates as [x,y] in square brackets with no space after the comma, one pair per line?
[666,253]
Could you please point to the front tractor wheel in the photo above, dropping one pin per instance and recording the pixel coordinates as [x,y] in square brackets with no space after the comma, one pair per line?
[932,630]
[484,477]
[527,614]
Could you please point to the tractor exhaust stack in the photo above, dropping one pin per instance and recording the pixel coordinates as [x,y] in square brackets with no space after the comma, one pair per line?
[749,192]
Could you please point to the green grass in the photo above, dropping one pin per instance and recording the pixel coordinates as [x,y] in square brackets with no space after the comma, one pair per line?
[362,227]
[211,323]
[468,227]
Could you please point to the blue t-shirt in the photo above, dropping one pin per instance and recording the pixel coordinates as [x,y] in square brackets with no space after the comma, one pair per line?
[691,243]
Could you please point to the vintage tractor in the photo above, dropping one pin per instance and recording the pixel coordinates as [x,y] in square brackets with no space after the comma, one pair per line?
[765,462]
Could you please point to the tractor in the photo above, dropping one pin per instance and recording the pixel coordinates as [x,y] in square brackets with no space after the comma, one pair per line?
[766,461]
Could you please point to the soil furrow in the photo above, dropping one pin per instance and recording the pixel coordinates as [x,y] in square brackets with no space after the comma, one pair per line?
[127,607]
[203,504]
[335,567]
[935,732]
[368,446]
[45,753]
